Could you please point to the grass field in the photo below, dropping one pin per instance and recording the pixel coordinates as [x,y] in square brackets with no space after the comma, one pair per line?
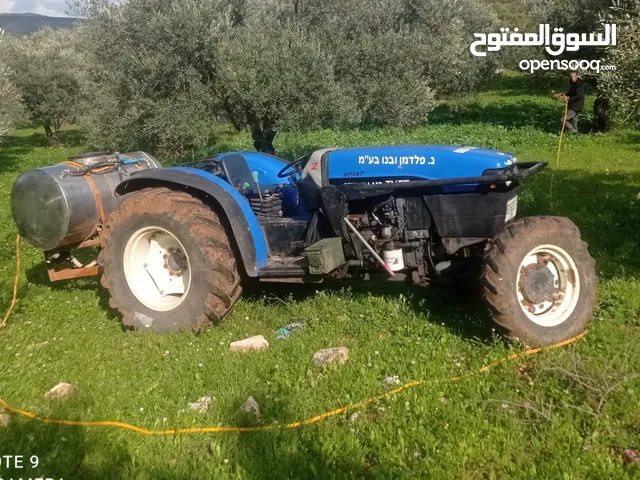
[565,414]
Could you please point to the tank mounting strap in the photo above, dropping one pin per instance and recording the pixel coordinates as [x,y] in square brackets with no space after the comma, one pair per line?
[96,194]
[94,188]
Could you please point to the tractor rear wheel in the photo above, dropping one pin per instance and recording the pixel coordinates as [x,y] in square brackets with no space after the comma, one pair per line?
[168,262]
[539,281]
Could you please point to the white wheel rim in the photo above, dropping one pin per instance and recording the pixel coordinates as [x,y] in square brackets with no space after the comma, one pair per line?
[560,281]
[157,268]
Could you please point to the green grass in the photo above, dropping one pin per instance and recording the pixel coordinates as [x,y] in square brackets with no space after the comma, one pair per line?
[547,416]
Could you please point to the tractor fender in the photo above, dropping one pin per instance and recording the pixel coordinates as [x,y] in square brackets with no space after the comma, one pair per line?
[247,233]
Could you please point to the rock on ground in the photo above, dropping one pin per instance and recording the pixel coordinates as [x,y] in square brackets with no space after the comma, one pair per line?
[251,407]
[338,355]
[257,342]
[202,404]
[5,420]
[631,456]
[62,390]
[390,381]
[355,416]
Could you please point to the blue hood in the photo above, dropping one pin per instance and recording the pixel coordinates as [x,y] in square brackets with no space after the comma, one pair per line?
[429,162]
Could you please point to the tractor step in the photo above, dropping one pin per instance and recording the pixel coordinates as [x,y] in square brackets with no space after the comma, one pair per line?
[285,267]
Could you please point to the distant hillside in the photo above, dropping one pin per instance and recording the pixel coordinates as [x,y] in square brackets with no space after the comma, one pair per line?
[26,23]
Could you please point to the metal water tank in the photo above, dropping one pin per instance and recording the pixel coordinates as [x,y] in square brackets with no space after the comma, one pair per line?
[62,205]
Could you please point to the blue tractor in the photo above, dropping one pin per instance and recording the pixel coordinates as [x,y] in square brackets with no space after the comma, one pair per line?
[177,244]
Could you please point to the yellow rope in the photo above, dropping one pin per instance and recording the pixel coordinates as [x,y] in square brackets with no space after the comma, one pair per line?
[564,123]
[308,421]
[15,284]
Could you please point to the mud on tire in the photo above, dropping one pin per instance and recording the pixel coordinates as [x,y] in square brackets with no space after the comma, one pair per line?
[214,283]
[517,291]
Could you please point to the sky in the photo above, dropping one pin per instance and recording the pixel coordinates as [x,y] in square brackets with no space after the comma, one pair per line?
[52,8]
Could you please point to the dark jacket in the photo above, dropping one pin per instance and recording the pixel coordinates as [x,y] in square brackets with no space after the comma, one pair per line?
[576,95]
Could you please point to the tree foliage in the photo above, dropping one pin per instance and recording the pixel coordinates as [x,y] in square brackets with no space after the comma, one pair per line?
[10,107]
[273,76]
[48,72]
[151,72]
[575,16]
[622,86]
[9,103]
[160,72]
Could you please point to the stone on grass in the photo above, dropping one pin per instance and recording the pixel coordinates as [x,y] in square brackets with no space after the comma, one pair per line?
[257,342]
[62,390]
[202,404]
[391,381]
[5,420]
[251,407]
[631,455]
[338,355]
[355,416]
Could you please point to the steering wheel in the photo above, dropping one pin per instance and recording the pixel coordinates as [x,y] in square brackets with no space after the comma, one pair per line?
[294,167]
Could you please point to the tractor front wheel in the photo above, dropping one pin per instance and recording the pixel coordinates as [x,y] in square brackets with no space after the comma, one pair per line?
[539,281]
[168,263]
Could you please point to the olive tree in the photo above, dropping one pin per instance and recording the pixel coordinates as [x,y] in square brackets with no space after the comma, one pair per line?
[47,76]
[151,74]
[300,64]
[161,72]
[9,101]
[277,77]
[622,85]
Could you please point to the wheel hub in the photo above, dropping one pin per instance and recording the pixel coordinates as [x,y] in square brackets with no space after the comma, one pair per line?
[547,286]
[537,283]
[175,262]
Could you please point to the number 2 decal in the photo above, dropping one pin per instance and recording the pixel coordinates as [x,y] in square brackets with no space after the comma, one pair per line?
[314,166]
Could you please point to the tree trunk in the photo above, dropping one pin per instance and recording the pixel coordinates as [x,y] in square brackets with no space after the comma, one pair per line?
[602,121]
[602,115]
[48,132]
[263,140]
[52,134]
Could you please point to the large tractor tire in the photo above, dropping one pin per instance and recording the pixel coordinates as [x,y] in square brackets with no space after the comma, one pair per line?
[539,281]
[168,262]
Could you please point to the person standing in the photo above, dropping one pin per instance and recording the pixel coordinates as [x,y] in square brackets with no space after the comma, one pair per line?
[575,99]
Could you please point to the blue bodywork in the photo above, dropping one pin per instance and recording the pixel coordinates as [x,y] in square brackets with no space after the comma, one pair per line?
[424,162]
[377,164]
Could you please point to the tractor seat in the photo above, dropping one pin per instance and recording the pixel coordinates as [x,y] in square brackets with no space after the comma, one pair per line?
[313,177]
